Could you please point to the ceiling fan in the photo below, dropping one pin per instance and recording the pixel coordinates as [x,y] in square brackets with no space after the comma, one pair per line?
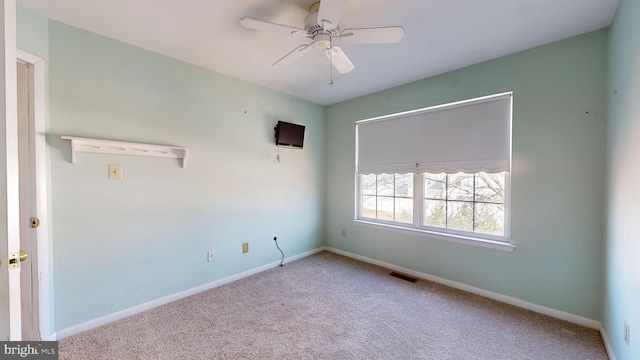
[322,27]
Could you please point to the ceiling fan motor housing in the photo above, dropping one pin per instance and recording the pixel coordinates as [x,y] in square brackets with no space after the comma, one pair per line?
[321,38]
[311,25]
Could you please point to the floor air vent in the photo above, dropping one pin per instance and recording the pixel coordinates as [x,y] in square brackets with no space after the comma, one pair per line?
[403,277]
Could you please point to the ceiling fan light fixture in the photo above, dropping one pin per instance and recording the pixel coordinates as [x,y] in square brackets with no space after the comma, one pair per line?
[322,41]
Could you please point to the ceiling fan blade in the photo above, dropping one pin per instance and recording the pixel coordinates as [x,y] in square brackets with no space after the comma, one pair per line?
[339,59]
[330,13]
[379,35]
[254,24]
[294,55]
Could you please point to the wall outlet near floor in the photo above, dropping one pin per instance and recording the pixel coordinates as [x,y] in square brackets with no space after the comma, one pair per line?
[344,232]
[245,248]
[626,332]
[211,255]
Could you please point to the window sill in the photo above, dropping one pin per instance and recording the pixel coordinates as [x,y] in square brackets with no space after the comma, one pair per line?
[490,244]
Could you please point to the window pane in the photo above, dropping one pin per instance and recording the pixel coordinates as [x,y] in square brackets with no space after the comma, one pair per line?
[490,187]
[435,186]
[461,187]
[385,184]
[369,206]
[404,185]
[460,215]
[368,184]
[490,219]
[385,208]
[435,213]
[404,210]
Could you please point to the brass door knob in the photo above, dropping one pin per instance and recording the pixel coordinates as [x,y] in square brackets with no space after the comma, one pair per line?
[35,222]
[23,255]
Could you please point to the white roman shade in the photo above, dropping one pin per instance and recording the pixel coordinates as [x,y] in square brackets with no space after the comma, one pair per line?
[467,136]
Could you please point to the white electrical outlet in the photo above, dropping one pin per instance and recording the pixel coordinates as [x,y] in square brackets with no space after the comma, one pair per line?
[626,332]
[211,255]
[344,232]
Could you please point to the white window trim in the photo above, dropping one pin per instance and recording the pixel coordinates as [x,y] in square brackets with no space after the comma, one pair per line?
[484,243]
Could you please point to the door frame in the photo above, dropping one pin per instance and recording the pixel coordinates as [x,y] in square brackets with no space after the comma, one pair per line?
[39,141]
[10,206]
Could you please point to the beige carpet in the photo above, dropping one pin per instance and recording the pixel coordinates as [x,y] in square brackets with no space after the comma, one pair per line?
[327,306]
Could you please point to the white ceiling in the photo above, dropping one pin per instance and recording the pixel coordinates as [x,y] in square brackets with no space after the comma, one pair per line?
[440,36]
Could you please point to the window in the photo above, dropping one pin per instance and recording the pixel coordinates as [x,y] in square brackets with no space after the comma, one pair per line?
[443,169]
[461,204]
[388,197]
[472,203]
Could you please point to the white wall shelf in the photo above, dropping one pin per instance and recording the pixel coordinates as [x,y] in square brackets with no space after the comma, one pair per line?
[100,146]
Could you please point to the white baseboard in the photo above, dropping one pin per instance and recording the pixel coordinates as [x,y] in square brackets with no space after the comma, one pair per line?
[593,324]
[607,344]
[76,329]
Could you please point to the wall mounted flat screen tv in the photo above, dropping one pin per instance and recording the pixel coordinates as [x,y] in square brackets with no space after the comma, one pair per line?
[289,135]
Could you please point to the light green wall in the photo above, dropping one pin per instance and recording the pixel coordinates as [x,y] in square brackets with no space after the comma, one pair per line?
[557,219]
[32,32]
[120,243]
[622,294]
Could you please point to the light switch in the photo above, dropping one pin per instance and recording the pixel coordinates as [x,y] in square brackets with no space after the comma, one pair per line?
[115,171]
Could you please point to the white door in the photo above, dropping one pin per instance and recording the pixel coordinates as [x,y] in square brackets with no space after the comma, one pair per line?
[28,217]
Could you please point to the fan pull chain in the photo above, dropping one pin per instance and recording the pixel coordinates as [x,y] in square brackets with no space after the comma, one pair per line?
[330,63]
